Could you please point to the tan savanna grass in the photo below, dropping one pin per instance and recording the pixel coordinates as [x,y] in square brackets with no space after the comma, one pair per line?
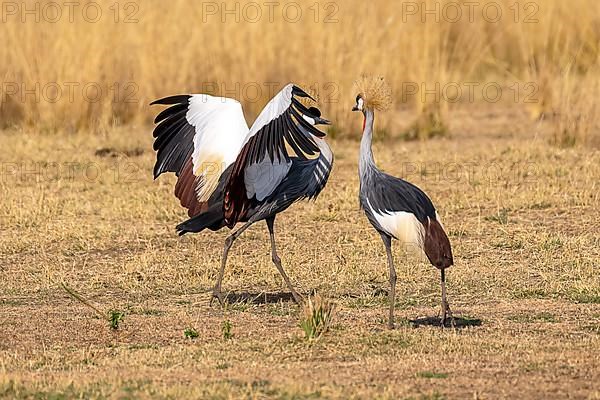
[158,48]
[521,213]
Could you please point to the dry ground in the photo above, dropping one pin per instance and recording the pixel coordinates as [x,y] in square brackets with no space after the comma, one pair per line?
[522,217]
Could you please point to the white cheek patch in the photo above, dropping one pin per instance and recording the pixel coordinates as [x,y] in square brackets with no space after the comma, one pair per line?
[360,104]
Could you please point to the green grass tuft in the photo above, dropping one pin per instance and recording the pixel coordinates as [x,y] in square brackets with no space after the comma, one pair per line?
[432,375]
[530,294]
[226,328]
[316,318]
[500,217]
[190,333]
[531,318]
[585,297]
[114,318]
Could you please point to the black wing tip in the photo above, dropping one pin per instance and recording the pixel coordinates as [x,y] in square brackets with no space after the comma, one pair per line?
[156,172]
[170,100]
[180,229]
[172,111]
[180,232]
[296,90]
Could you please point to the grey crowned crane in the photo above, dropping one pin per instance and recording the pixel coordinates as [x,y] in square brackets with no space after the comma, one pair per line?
[397,209]
[229,173]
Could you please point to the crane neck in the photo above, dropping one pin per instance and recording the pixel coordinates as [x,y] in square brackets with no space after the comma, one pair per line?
[366,162]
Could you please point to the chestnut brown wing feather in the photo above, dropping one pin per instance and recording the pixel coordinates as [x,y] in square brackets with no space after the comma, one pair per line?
[235,202]
[185,190]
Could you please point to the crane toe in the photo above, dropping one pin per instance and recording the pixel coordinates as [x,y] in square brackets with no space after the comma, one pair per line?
[447,315]
[218,295]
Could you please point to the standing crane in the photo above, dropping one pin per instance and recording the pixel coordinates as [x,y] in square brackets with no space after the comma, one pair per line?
[396,208]
[229,173]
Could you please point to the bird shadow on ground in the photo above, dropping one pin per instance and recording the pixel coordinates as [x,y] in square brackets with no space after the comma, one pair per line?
[258,298]
[459,322]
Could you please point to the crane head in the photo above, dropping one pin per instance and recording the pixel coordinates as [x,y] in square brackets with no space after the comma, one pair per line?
[359,104]
[314,117]
[373,94]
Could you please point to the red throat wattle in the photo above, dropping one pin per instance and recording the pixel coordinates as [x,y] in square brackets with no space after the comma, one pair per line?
[364,123]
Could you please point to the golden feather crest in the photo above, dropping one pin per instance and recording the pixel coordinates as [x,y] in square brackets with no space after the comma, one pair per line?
[375,91]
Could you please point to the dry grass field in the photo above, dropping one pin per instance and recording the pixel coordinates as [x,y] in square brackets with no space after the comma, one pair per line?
[93,65]
[84,211]
[495,116]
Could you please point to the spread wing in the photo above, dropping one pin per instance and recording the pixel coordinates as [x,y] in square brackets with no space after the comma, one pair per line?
[283,131]
[197,138]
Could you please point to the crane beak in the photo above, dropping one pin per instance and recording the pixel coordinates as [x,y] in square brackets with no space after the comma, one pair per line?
[322,121]
[354,108]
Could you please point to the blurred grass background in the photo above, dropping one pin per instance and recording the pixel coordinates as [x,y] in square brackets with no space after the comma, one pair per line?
[82,73]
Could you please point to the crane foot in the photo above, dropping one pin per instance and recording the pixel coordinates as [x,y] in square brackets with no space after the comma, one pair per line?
[447,314]
[298,299]
[217,294]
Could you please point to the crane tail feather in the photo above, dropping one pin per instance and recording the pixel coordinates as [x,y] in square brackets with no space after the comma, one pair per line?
[211,219]
[437,245]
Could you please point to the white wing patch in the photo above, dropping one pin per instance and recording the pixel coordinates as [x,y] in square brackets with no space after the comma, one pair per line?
[274,108]
[220,131]
[402,225]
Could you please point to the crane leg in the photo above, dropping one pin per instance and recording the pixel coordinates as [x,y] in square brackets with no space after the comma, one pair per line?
[387,241]
[446,313]
[277,261]
[217,294]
